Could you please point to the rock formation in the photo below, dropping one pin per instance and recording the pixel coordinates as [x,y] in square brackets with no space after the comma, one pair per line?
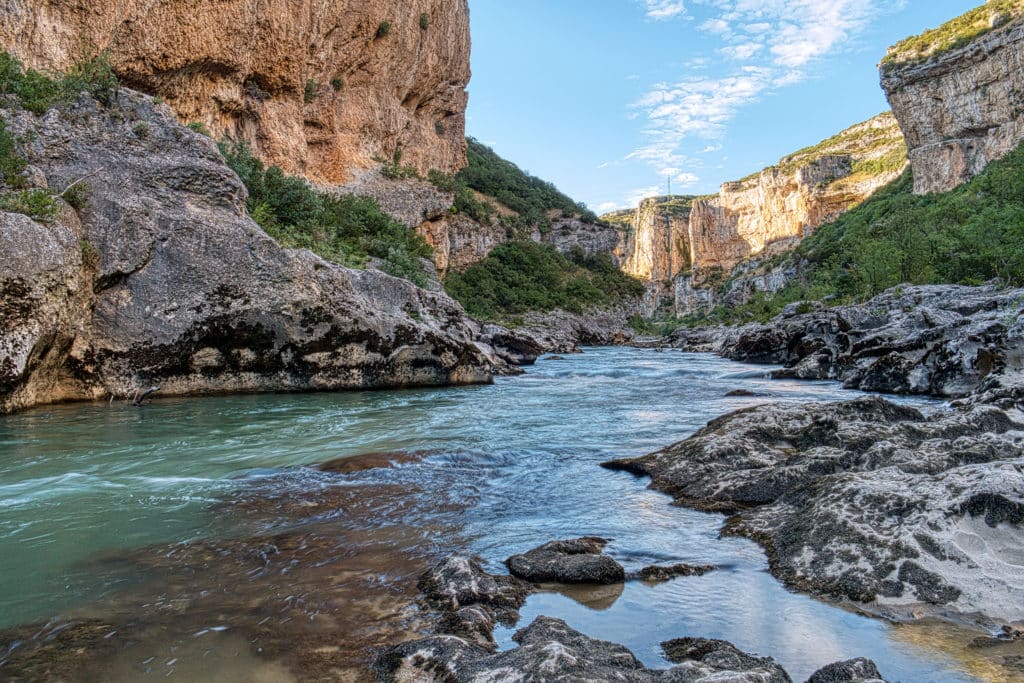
[694,242]
[960,107]
[162,279]
[941,340]
[866,500]
[318,87]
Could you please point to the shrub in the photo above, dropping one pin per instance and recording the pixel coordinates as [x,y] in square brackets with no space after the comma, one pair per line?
[200,127]
[36,204]
[310,92]
[424,21]
[384,29]
[77,195]
[524,276]
[37,92]
[337,83]
[344,229]
[11,163]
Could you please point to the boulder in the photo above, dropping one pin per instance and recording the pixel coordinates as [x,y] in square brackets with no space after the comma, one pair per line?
[580,560]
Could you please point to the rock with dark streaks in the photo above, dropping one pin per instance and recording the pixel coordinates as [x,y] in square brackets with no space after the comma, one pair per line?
[580,560]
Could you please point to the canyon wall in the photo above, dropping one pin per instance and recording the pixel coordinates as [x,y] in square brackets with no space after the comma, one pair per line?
[318,87]
[959,108]
[684,247]
[776,208]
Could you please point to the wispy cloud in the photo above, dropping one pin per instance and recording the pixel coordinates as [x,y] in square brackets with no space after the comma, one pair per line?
[665,9]
[768,45]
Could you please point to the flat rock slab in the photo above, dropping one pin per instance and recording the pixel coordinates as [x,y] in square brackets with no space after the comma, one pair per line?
[660,574]
[580,560]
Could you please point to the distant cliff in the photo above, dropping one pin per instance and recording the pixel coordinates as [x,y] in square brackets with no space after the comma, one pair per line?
[682,246]
[958,92]
[318,87]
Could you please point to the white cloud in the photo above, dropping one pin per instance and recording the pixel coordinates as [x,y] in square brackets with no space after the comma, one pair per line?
[772,44]
[686,179]
[665,9]
[606,207]
[636,196]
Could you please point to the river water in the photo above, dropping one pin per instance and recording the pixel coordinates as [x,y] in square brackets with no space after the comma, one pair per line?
[192,539]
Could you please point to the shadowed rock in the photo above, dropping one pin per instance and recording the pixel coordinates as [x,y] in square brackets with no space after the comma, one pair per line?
[580,560]
[461,581]
[701,654]
[658,574]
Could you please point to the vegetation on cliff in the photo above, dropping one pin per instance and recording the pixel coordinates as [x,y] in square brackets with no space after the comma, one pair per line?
[344,229]
[521,277]
[970,235]
[955,33]
[535,200]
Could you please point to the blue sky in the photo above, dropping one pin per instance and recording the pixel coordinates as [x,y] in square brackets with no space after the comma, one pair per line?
[610,98]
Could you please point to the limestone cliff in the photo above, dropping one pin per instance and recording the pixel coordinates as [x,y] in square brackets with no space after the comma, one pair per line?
[683,247]
[319,87]
[160,278]
[772,210]
[958,92]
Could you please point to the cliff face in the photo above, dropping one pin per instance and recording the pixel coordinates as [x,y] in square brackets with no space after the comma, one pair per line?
[684,246]
[319,87]
[783,204]
[659,246]
[960,108]
[160,278]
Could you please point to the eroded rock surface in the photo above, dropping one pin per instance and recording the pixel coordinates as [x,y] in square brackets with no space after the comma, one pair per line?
[960,110]
[866,500]
[162,279]
[943,340]
[580,560]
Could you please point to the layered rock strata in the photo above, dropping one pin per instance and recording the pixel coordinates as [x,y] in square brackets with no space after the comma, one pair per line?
[316,87]
[960,108]
[161,279]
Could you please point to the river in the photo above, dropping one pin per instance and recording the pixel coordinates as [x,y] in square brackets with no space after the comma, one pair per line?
[192,539]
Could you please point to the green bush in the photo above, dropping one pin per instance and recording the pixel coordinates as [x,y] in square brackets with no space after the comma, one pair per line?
[200,127]
[38,92]
[424,21]
[344,229]
[311,91]
[384,29]
[11,163]
[337,83]
[519,277]
[530,197]
[36,204]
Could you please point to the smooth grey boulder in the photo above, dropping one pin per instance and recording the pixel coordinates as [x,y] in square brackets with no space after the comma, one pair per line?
[580,560]
[161,279]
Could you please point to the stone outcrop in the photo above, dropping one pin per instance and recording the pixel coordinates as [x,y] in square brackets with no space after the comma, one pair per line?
[580,560]
[942,340]
[549,651]
[866,500]
[318,87]
[162,279]
[960,108]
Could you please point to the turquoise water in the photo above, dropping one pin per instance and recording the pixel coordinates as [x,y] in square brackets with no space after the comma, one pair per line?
[510,466]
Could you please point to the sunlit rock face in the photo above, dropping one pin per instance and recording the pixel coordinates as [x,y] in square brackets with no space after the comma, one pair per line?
[960,109]
[318,87]
[779,206]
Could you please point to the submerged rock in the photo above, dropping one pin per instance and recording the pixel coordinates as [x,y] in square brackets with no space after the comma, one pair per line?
[866,499]
[580,560]
[461,581]
[658,574]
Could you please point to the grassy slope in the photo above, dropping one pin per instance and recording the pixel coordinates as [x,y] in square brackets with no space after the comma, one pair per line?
[953,34]
[969,235]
